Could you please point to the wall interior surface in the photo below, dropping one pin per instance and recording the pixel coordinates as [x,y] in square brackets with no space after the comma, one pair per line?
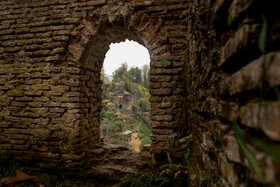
[51,54]
[215,65]
[233,81]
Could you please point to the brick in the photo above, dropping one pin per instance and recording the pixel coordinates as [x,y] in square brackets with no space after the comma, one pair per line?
[21,147]
[57,110]
[37,148]
[41,99]
[6,31]
[60,89]
[15,93]
[33,154]
[61,38]
[96,2]
[40,87]
[34,93]
[160,78]
[165,91]
[25,99]
[39,111]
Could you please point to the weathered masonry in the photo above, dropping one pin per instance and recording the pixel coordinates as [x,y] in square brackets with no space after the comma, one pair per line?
[213,62]
[51,58]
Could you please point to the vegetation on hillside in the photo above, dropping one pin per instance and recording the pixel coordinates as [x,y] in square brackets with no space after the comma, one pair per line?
[125,103]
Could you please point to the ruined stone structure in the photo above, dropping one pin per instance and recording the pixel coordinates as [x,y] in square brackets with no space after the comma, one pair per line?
[51,58]
[207,70]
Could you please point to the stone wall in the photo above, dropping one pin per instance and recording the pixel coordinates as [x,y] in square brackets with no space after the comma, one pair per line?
[207,71]
[231,80]
[51,54]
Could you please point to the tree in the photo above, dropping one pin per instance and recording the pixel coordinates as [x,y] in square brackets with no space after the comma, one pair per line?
[136,75]
[103,77]
[146,76]
[120,72]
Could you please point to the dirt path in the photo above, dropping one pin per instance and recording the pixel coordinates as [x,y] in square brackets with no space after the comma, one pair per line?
[135,141]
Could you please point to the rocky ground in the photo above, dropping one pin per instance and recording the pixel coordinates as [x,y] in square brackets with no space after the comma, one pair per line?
[110,164]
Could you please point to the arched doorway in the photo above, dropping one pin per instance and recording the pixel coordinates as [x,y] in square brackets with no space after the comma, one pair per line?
[125,115]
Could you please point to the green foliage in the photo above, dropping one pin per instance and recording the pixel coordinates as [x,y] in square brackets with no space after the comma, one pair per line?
[136,75]
[8,165]
[120,72]
[144,130]
[146,76]
[171,165]
[245,151]
[163,62]
[144,133]
[228,165]
[134,180]
[263,36]
[269,149]
[144,104]
[185,141]
[187,154]
[209,176]
[145,141]
[115,120]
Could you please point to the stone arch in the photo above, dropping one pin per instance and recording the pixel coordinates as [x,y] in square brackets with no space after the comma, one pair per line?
[55,103]
[86,53]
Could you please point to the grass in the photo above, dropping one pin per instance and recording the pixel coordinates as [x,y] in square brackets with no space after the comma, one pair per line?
[144,131]
[8,165]
[245,151]
[145,141]
[267,148]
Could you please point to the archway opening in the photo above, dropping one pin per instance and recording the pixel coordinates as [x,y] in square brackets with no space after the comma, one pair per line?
[126,108]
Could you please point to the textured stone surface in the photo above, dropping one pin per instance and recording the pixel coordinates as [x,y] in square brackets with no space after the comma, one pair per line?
[265,115]
[51,54]
[228,79]
[206,71]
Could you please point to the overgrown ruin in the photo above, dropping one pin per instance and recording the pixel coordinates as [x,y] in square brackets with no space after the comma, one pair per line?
[213,62]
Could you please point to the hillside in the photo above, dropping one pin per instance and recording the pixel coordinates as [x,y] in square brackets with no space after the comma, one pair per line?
[126,107]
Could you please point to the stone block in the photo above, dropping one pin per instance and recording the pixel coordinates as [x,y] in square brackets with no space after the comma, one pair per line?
[264,116]
[232,149]
[160,78]
[222,4]
[237,9]
[40,87]
[41,148]
[161,132]
[33,154]
[165,91]
[21,147]
[34,93]
[39,111]
[15,93]
[160,147]
[57,110]
[250,77]
[24,99]
[41,99]
[242,40]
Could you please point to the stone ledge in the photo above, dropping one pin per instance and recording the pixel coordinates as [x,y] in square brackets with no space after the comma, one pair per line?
[243,40]
[264,116]
[251,76]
